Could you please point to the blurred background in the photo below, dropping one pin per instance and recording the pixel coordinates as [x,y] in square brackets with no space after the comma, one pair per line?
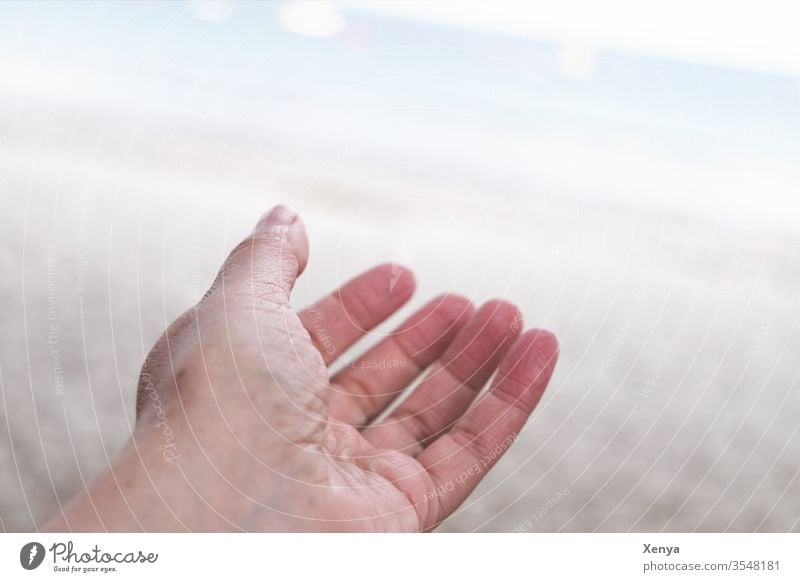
[626,173]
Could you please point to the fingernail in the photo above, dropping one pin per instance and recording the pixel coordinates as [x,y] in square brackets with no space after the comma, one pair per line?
[279,216]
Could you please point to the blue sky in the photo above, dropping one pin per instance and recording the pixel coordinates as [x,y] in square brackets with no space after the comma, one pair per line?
[696,135]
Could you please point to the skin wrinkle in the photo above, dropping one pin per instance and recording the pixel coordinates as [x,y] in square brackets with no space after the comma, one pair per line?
[314,335]
[382,467]
[247,396]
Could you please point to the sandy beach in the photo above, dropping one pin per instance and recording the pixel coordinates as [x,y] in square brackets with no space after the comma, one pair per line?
[634,192]
[674,405]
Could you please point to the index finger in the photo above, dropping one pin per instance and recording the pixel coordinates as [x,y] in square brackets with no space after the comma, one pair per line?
[339,320]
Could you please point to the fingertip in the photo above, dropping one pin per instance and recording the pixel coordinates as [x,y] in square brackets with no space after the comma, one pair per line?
[282,217]
[535,351]
[501,306]
[401,279]
[439,320]
[298,241]
[452,306]
[546,342]
[448,312]
[504,315]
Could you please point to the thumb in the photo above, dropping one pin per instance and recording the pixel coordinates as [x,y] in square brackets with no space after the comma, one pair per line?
[265,265]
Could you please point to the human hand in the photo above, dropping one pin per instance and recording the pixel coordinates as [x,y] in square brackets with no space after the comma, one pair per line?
[241,427]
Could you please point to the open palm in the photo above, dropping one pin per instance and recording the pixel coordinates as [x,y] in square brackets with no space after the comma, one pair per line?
[262,437]
[414,467]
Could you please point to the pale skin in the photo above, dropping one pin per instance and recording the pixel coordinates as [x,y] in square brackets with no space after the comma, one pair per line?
[241,426]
